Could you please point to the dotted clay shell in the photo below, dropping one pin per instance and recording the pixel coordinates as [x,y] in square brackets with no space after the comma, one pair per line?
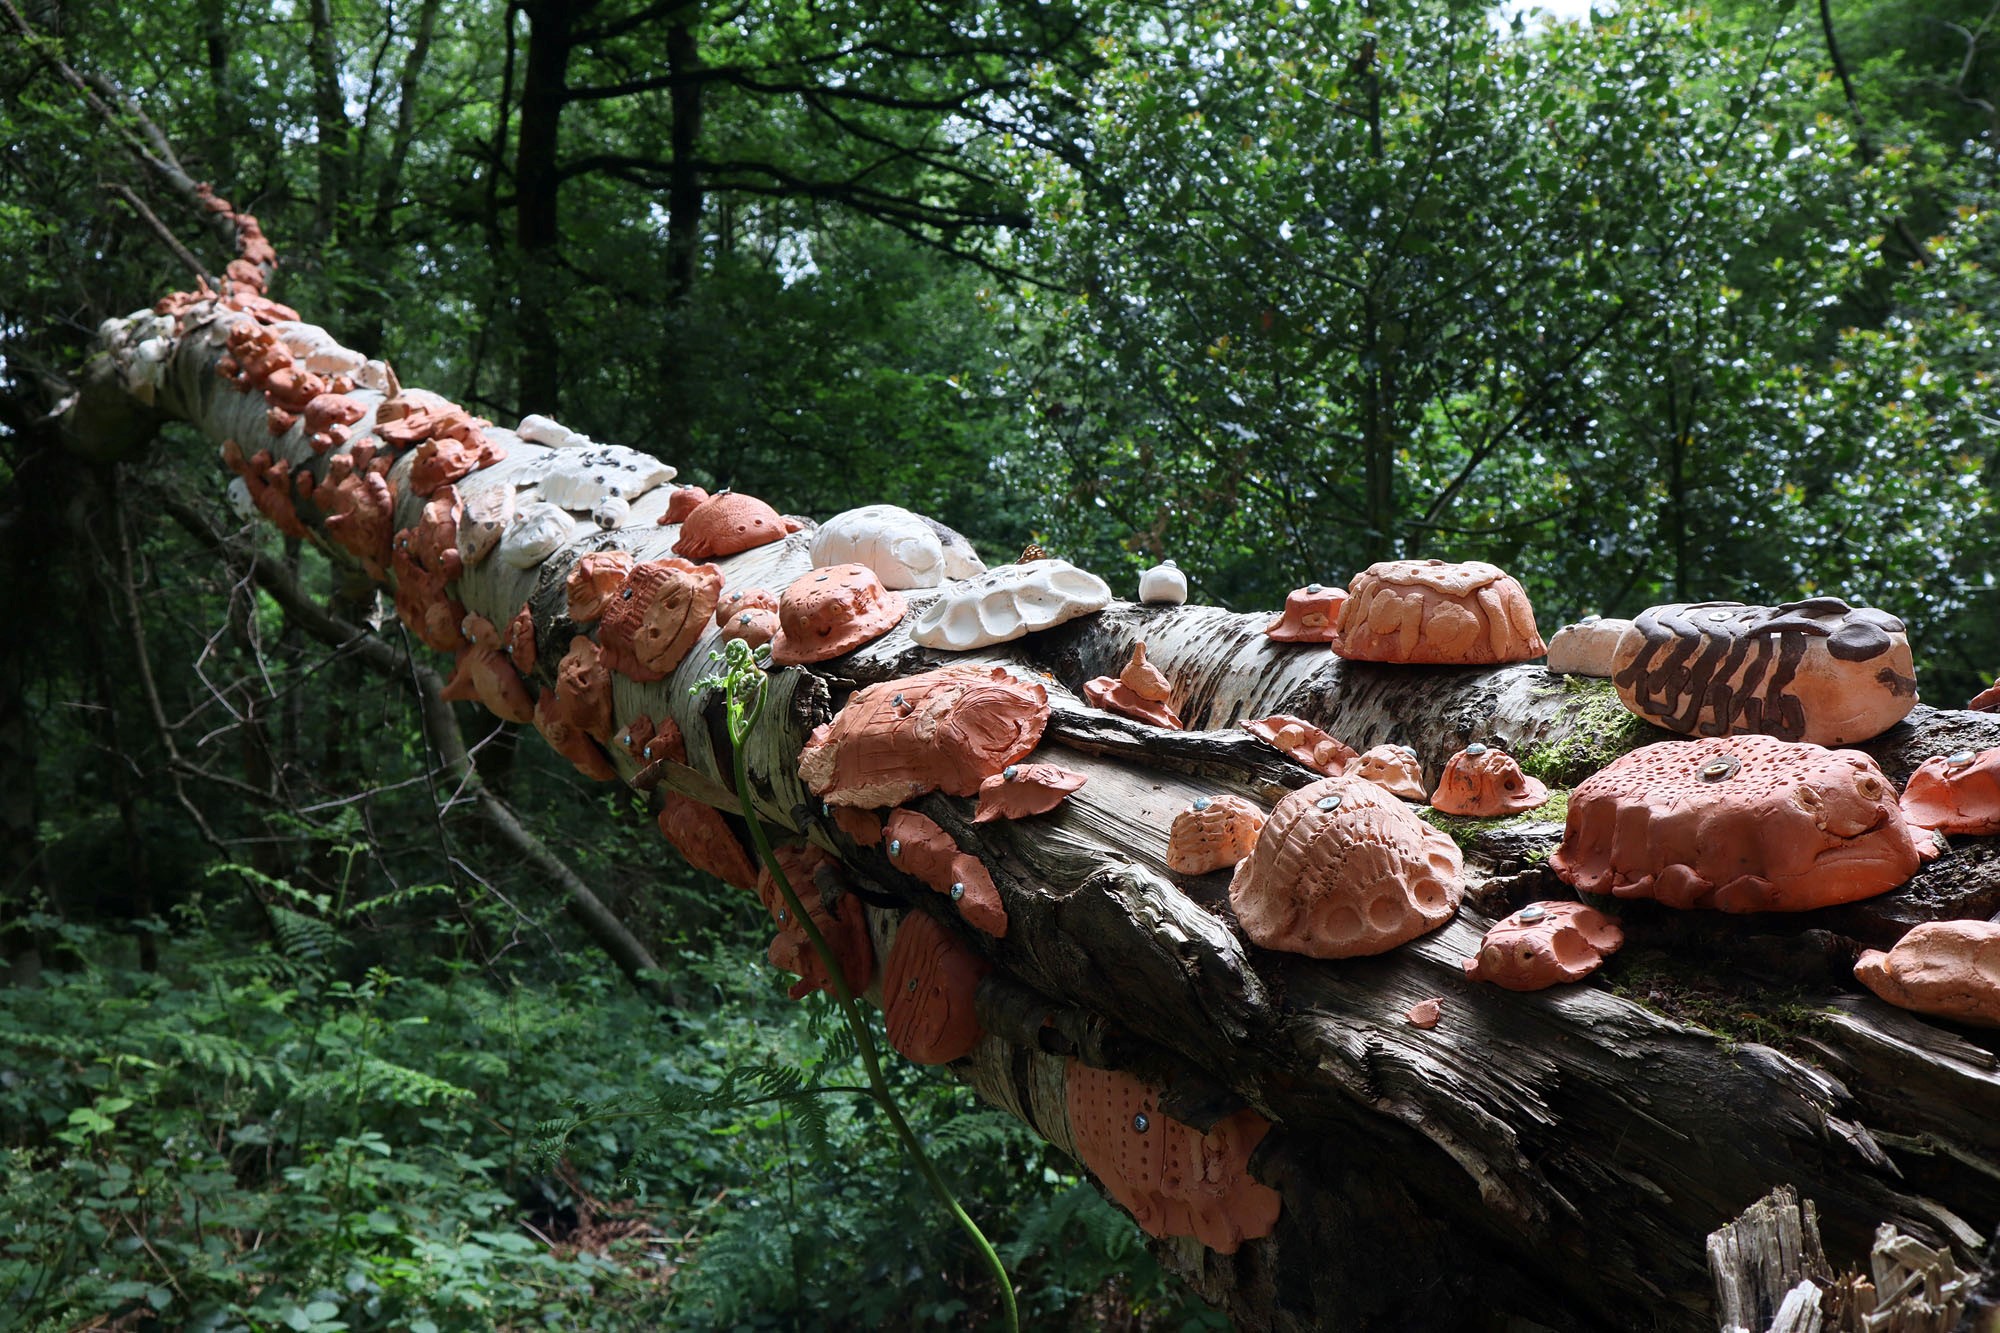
[730,523]
[832,611]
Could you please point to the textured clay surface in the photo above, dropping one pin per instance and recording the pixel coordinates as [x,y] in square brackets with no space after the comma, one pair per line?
[1950,969]
[1115,696]
[1817,670]
[583,686]
[1543,945]
[729,523]
[654,618]
[592,581]
[1303,742]
[1483,782]
[917,846]
[1429,611]
[1310,616]
[683,502]
[1007,602]
[1393,768]
[697,831]
[831,611]
[486,673]
[736,601]
[1214,833]
[843,925]
[1173,1179]
[946,730]
[1020,790]
[1956,793]
[1587,648]
[903,550]
[567,740]
[928,984]
[1739,823]
[1344,869]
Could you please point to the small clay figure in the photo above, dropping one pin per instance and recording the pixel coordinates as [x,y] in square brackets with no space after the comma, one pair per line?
[1311,615]
[831,611]
[1545,944]
[1213,833]
[1483,783]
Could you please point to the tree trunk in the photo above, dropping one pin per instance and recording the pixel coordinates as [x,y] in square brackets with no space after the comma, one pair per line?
[1557,1157]
[537,187]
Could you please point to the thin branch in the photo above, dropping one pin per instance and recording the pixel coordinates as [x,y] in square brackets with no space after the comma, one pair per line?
[171,241]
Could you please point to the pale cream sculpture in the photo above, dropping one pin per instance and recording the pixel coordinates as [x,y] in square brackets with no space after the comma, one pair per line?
[903,550]
[537,530]
[577,479]
[488,511]
[1008,602]
[1587,648]
[1163,585]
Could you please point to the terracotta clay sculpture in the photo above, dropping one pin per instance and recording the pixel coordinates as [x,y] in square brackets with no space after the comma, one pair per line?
[422,603]
[1213,833]
[1739,823]
[593,580]
[696,830]
[1956,793]
[441,460]
[327,418]
[1440,614]
[1140,691]
[828,612]
[535,533]
[755,628]
[1587,648]
[902,549]
[487,674]
[1007,602]
[654,618]
[1344,869]
[864,826]
[317,350]
[682,503]
[928,984]
[583,685]
[1393,768]
[1303,742]
[738,600]
[1310,616]
[578,479]
[1163,585]
[1020,790]
[1483,782]
[413,416]
[1425,1013]
[552,720]
[917,846]
[1543,945]
[637,734]
[360,505]
[730,523]
[520,644]
[843,925]
[1950,969]
[946,730]
[488,511]
[1817,670]
[1173,1179]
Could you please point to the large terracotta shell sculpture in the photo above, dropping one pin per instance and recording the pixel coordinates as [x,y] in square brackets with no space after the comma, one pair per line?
[1008,602]
[1213,833]
[903,550]
[1587,648]
[827,612]
[1956,793]
[1436,613]
[1311,615]
[1344,869]
[1173,1179]
[1739,823]
[843,925]
[929,982]
[947,730]
[1543,945]
[728,524]
[1950,969]
[1482,782]
[1818,670]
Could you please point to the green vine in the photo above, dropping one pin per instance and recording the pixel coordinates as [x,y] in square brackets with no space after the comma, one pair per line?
[744,687]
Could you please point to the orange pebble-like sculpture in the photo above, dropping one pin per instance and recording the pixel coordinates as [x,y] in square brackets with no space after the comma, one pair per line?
[583,684]
[1439,614]
[1543,945]
[1950,969]
[654,618]
[843,925]
[945,730]
[682,503]
[1311,615]
[568,740]
[593,580]
[1344,869]
[918,846]
[1303,742]
[1956,793]
[733,603]
[1213,833]
[1483,782]
[1739,823]
[928,984]
[1173,1179]
[1393,768]
[730,523]
[831,611]
[1019,790]
[696,830]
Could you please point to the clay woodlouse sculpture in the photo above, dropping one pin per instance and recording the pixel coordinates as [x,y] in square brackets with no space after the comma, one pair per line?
[1008,602]
[729,524]
[1587,648]
[1484,783]
[1738,823]
[1393,768]
[842,924]
[902,548]
[1140,691]
[1311,615]
[653,619]
[1817,670]
[1343,869]
[929,982]
[1437,614]
[1948,969]
[581,479]
[918,846]
[1213,833]
[1020,790]
[1173,1179]
[1956,793]
[945,730]
[1303,743]
[827,612]
[1544,944]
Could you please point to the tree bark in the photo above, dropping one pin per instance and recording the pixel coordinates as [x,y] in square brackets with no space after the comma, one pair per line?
[537,191]
[1557,1157]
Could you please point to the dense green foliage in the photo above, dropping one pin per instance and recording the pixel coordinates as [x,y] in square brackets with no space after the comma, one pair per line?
[1668,305]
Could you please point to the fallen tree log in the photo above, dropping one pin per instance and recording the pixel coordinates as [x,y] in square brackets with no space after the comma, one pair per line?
[1558,1157]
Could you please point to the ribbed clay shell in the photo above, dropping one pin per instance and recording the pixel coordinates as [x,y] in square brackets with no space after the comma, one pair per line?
[1008,602]
[1436,613]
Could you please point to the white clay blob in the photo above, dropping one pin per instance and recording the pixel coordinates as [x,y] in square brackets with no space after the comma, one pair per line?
[960,560]
[610,512]
[1587,647]
[488,510]
[579,478]
[316,349]
[1007,602]
[902,549]
[239,499]
[536,530]
[538,429]
[376,375]
[1163,585]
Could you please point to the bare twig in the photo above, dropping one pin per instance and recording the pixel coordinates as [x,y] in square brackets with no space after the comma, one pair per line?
[171,241]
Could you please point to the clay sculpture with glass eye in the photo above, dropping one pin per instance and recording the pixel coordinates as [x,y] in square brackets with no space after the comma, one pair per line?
[1007,602]
[1393,768]
[948,730]
[1310,615]
[1950,969]
[1587,648]
[843,925]
[918,846]
[1483,782]
[1344,869]
[1213,833]
[1140,691]
[1956,793]
[1543,945]
[1817,670]
[1173,1179]
[1739,823]
[579,479]
[831,611]
[1020,790]
[655,616]
[1437,613]
[1303,742]
[903,550]
[928,985]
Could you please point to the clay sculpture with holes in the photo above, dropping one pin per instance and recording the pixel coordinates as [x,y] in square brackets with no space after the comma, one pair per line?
[1393,768]
[1212,833]
[1543,945]
[1484,783]
[828,612]
[1008,602]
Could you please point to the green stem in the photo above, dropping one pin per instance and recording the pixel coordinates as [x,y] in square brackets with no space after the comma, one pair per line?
[741,719]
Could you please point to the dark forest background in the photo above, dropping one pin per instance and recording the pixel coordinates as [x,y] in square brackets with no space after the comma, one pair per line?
[1676,304]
